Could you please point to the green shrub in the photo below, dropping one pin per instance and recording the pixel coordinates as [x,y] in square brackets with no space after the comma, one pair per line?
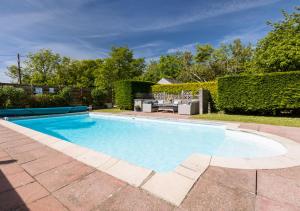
[262,94]
[47,100]
[125,91]
[65,94]
[193,87]
[12,97]
[99,96]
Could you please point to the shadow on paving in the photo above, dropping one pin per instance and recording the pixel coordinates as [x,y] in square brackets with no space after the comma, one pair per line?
[9,198]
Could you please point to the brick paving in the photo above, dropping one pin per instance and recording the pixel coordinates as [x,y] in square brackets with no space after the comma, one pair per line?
[35,177]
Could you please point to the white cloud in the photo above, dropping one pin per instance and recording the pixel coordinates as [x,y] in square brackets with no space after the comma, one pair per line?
[188,47]
[148,45]
[102,35]
[200,13]
[251,35]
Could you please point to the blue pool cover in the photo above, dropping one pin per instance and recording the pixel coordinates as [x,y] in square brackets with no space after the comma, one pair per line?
[41,111]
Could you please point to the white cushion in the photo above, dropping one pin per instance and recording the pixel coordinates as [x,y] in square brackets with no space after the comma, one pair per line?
[160,101]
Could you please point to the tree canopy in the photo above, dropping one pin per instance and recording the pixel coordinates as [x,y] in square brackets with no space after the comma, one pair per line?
[280,49]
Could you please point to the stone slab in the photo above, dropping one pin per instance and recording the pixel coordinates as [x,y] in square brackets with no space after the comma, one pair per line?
[170,186]
[132,174]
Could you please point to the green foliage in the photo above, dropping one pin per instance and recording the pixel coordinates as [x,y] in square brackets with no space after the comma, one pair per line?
[206,65]
[280,49]
[77,73]
[47,68]
[126,90]
[168,66]
[11,97]
[99,95]
[120,65]
[193,87]
[62,98]
[204,53]
[263,93]
[65,94]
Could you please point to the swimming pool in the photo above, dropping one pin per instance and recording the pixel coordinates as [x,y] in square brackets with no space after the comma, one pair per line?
[154,144]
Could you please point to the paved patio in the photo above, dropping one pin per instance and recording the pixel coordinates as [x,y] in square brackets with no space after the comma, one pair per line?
[36,177]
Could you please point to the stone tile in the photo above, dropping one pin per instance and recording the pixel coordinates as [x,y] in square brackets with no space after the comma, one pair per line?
[197,162]
[34,154]
[3,154]
[191,174]
[15,143]
[210,195]
[132,174]
[263,204]
[45,163]
[25,194]
[11,135]
[249,126]
[93,158]
[109,163]
[169,186]
[11,168]
[61,145]
[289,173]
[134,199]
[89,192]
[75,151]
[63,175]
[278,188]
[243,180]
[11,181]
[24,148]
[49,203]
[5,159]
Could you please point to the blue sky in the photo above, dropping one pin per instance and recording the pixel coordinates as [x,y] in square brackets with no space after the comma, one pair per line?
[85,29]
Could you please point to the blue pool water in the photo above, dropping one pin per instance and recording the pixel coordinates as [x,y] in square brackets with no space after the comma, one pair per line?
[153,144]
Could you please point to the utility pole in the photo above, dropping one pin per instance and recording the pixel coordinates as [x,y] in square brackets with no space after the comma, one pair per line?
[19,69]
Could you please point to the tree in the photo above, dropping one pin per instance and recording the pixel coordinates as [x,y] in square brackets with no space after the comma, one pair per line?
[47,68]
[152,72]
[204,53]
[39,68]
[13,73]
[79,73]
[120,65]
[42,67]
[280,49]
[169,66]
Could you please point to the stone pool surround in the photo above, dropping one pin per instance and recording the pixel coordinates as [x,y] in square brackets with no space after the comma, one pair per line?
[171,186]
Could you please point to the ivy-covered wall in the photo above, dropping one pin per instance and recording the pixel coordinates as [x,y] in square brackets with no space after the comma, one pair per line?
[193,87]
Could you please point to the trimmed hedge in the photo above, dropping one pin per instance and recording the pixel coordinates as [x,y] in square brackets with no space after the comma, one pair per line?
[126,90]
[194,87]
[262,94]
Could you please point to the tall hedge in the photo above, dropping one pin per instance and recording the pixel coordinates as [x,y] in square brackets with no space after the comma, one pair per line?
[193,87]
[264,93]
[126,90]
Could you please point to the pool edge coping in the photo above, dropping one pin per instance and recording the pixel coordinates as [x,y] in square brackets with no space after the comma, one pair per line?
[171,186]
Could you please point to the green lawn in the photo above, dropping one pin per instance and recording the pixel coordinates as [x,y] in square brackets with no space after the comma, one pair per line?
[109,110]
[284,121]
